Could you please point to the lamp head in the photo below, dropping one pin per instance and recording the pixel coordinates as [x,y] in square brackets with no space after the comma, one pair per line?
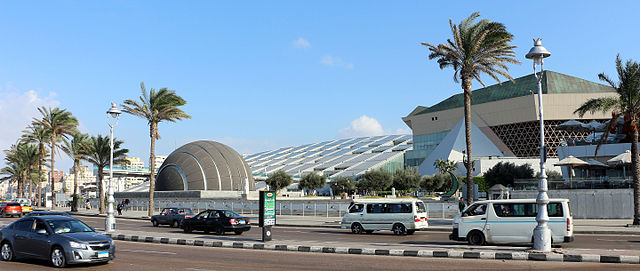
[114,111]
[538,52]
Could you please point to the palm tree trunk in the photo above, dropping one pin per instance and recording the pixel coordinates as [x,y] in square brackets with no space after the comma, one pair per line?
[101,191]
[39,197]
[74,205]
[466,86]
[52,179]
[635,160]
[152,166]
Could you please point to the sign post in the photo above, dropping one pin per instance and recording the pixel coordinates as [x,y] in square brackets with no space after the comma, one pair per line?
[267,213]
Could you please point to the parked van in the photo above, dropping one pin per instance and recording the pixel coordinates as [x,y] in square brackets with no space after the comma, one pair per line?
[511,221]
[402,216]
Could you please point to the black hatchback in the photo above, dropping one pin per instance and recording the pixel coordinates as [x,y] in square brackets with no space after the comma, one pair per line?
[218,221]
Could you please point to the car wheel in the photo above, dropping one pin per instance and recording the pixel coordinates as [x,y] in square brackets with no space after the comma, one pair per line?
[410,232]
[238,232]
[187,228]
[356,228]
[154,222]
[219,230]
[475,238]
[176,224]
[399,229]
[57,257]
[20,215]
[6,252]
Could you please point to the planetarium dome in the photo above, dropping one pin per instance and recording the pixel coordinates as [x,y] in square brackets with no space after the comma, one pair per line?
[204,165]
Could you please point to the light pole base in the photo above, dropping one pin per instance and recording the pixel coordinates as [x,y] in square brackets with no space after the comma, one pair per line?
[542,239]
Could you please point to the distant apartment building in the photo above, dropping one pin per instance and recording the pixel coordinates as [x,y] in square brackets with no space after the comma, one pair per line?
[159,160]
[86,180]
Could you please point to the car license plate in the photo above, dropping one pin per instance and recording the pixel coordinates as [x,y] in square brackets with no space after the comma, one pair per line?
[103,254]
[243,222]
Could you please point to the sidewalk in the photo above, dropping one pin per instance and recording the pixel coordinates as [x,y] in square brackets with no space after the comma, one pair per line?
[581,226]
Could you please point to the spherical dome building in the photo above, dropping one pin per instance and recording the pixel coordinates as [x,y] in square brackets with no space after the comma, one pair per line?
[204,165]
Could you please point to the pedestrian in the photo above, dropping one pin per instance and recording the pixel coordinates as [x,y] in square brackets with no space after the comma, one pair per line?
[461,204]
[87,204]
[119,208]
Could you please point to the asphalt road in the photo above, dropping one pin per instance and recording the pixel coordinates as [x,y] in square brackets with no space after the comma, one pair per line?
[156,257]
[330,235]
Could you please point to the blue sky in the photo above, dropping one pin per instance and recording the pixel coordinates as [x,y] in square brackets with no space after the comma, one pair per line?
[259,75]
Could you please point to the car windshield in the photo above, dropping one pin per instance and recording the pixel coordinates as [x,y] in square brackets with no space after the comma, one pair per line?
[68,226]
[230,214]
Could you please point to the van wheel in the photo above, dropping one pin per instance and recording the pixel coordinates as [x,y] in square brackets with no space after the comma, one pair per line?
[410,232]
[399,229]
[475,238]
[356,228]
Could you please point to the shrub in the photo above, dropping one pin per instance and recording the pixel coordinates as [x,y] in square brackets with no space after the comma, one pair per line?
[406,179]
[342,185]
[375,180]
[313,181]
[279,180]
[504,173]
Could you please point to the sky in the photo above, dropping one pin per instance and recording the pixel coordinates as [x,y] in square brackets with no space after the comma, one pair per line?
[260,75]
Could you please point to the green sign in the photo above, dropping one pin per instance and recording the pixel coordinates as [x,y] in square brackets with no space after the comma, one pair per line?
[267,208]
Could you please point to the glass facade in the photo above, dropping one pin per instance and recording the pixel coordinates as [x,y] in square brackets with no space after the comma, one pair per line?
[423,145]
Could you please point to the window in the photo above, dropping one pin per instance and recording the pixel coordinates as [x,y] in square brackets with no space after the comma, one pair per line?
[356,208]
[204,214]
[230,214]
[399,208]
[23,225]
[376,208]
[554,209]
[40,226]
[68,226]
[421,208]
[477,209]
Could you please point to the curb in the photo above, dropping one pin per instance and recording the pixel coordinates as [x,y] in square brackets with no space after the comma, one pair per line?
[521,256]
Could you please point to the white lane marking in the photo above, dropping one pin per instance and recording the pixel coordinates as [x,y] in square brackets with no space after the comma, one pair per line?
[147,251]
[200,269]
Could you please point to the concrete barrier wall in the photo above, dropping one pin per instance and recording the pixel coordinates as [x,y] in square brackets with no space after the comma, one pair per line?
[591,203]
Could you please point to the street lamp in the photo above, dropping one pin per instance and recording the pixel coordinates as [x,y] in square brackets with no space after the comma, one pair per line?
[541,234]
[110,222]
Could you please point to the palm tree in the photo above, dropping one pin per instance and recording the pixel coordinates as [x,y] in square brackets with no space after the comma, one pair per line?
[626,103]
[156,107]
[76,149]
[22,158]
[59,123]
[12,173]
[38,135]
[477,47]
[98,152]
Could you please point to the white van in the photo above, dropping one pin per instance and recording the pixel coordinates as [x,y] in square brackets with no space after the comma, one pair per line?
[402,216]
[511,221]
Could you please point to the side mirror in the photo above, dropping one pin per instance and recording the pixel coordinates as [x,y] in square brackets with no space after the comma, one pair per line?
[42,231]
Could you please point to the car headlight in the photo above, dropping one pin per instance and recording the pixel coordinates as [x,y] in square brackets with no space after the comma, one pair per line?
[77,245]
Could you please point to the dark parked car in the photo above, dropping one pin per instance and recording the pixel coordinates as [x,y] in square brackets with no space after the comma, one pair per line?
[171,216]
[60,239]
[218,221]
[45,213]
[10,209]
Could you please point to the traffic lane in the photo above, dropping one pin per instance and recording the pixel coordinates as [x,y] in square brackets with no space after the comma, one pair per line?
[153,257]
[331,235]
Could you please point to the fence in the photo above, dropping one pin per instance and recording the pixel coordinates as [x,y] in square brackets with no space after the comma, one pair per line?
[440,210]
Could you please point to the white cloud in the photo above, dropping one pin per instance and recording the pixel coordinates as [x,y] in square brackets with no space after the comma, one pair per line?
[301,43]
[335,62]
[17,109]
[362,126]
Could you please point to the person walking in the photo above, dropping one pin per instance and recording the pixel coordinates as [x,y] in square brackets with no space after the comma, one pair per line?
[461,204]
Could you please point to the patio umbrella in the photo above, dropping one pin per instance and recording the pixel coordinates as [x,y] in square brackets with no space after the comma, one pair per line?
[623,160]
[594,163]
[571,161]
[573,125]
[596,126]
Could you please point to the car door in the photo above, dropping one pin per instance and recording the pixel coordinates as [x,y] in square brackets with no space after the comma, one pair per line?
[214,220]
[22,229]
[39,243]
[200,221]
[473,218]
[162,218]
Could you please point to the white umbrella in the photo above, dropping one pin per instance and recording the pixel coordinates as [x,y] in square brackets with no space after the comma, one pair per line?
[571,161]
[621,159]
[573,125]
[595,163]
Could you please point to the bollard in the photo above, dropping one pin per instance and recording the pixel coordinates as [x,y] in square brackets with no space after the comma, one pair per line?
[327,209]
[442,210]
[315,208]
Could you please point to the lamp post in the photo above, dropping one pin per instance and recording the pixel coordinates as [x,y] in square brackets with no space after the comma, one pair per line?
[110,222]
[542,233]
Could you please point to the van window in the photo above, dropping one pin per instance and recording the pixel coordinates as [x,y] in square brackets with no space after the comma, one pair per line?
[477,209]
[527,209]
[376,208]
[421,208]
[356,208]
[399,208]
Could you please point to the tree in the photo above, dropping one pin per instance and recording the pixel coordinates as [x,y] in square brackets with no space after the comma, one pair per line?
[406,179]
[477,47]
[38,135]
[98,153]
[278,180]
[342,185]
[445,166]
[76,149]
[313,181]
[58,124]
[21,158]
[375,180]
[625,103]
[505,173]
[156,107]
